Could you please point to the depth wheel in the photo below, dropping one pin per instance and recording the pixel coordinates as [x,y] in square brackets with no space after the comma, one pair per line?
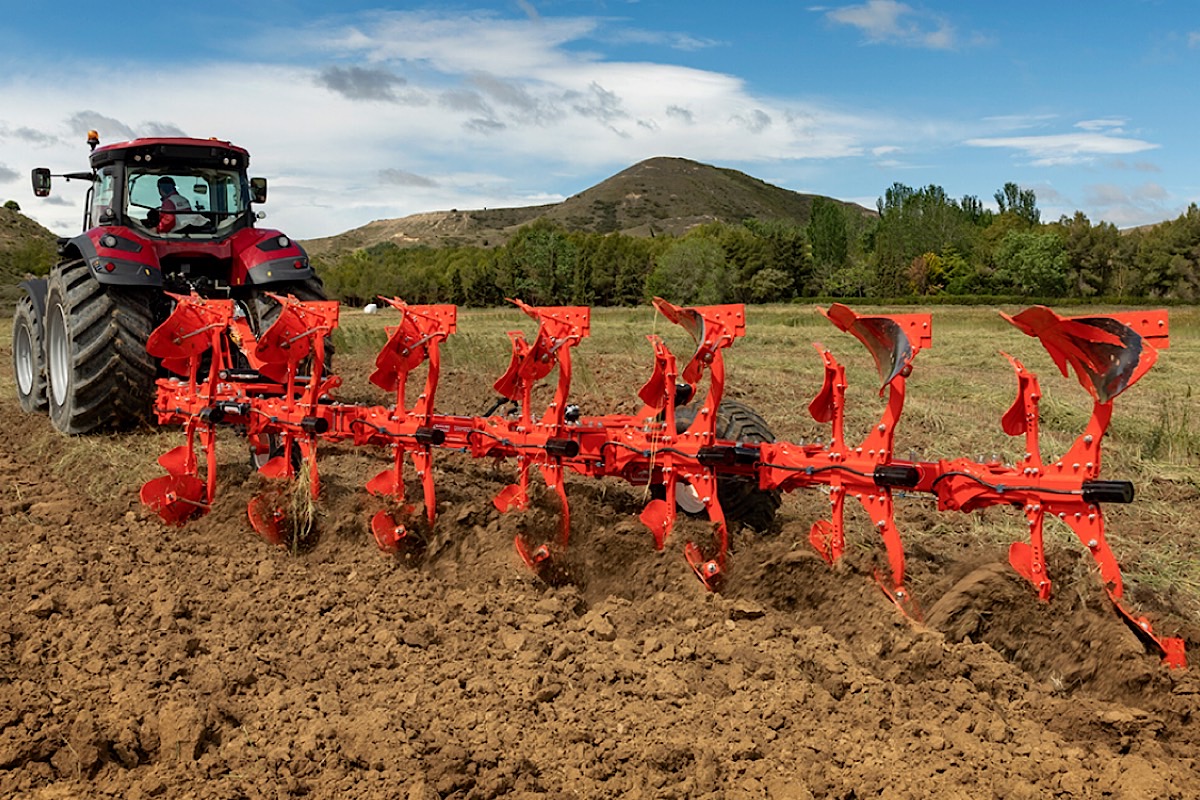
[29,359]
[100,375]
[740,498]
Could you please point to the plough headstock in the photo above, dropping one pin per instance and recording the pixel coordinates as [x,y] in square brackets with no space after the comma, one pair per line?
[276,404]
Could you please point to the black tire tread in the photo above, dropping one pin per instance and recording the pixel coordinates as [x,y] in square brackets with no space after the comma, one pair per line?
[265,311]
[112,376]
[24,317]
[741,499]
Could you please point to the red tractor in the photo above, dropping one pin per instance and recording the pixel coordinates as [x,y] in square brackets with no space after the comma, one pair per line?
[163,216]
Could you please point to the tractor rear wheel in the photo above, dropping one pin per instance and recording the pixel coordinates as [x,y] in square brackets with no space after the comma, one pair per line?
[740,498]
[100,375]
[265,310]
[29,358]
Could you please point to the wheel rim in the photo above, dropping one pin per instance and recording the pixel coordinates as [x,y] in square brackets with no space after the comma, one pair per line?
[60,354]
[23,358]
[687,498]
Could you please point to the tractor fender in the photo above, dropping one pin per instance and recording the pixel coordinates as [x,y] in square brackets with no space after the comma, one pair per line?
[36,289]
[280,270]
[110,270]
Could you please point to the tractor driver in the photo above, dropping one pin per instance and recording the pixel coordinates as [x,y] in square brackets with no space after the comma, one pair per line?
[170,219]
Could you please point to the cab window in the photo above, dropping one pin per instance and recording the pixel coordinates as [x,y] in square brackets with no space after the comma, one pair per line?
[103,188]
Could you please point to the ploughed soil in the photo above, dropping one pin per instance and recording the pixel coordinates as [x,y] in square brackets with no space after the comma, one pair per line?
[139,660]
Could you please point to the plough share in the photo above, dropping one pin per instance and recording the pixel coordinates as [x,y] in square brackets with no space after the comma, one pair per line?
[275,388]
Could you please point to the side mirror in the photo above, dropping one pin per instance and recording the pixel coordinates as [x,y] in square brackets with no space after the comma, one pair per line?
[258,190]
[41,182]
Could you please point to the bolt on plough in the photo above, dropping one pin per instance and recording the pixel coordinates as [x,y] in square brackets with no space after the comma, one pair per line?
[276,389]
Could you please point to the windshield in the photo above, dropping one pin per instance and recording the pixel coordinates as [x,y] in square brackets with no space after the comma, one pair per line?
[212,199]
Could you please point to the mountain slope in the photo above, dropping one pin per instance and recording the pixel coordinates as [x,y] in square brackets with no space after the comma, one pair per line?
[674,194]
[25,247]
[656,196]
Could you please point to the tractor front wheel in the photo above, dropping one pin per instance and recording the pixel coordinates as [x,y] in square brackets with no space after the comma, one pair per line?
[100,375]
[29,359]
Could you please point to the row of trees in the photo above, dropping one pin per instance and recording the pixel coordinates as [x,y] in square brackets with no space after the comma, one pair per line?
[922,243]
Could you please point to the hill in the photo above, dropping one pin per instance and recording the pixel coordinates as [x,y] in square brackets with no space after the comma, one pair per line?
[656,196]
[25,247]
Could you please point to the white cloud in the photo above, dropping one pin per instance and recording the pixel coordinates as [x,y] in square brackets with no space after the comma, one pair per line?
[1065,148]
[419,95]
[891,22]
[405,112]
[1136,166]
[1110,125]
[675,41]
[400,177]
[360,83]
[463,43]
[1127,207]
[1016,122]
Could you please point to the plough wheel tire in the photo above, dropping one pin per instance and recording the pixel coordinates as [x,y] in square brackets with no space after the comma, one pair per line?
[29,358]
[740,498]
[275,449]
[100,375]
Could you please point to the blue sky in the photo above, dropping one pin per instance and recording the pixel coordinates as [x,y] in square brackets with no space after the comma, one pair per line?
[378,110]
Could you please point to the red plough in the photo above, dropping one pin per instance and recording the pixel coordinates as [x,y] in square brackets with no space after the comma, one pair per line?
[408,430]
[275,387]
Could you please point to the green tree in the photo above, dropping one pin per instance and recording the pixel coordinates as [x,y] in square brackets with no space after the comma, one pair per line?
[32,256]
[1091,254]
[786,249]
[973,209]
[770,285]
[1031,264]
[691,271]
[853,279]
[1020,202]
[828,234]
[912,223]
[1166,258]
[927,274]
[962,276]
[543,260]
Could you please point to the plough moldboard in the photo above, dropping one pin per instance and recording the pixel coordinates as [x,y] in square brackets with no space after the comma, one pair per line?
[276,388]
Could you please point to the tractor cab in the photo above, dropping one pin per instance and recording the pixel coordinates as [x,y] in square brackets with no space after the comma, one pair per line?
[167,188]
[191,188]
